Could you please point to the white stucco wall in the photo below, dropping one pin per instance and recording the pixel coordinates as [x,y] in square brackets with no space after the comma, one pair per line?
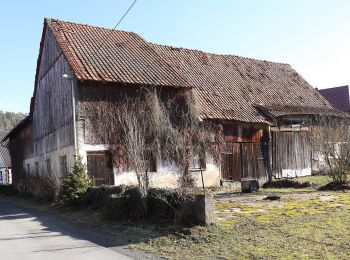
[54,158]
[167,174]
[291,173]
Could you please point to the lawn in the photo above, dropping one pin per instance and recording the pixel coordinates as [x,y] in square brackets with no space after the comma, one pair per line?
[305,224]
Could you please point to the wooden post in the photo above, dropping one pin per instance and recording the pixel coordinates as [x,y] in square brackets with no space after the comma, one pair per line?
[202,180]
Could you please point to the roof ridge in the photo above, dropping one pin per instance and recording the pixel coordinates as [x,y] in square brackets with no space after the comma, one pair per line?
[164,45]
[88,25]
[216,54]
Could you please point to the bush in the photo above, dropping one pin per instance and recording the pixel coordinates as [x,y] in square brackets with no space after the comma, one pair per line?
[124,203]
[42,187]
[287,183]
[7,189]
[338,175]
[75,185]
[169,204]
[335,186]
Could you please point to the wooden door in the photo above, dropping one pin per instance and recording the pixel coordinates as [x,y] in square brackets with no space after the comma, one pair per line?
[291,153]
[245,160]
[99,166]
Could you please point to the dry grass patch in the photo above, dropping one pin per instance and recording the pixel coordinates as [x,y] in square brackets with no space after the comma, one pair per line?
[304,226]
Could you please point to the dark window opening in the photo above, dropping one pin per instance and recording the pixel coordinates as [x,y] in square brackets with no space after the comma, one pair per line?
[48,166]
[37,168]
[63,165]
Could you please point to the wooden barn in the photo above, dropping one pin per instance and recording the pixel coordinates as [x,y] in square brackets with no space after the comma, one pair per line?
[263,106]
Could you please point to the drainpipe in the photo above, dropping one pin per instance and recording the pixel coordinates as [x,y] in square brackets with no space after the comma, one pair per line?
[66,76]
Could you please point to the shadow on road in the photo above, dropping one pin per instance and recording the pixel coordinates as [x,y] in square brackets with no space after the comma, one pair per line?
[56,226]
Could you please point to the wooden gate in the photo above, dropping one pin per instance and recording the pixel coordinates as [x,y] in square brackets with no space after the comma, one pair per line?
[291,153]
[245,160]
[99,167]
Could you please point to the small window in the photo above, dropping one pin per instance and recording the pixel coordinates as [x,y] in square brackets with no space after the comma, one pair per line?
[151,161]
[198,161]
[63,165]
[48,166]
[37,168]
[28,168]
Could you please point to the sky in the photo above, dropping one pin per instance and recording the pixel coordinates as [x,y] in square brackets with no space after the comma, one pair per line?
[311,35]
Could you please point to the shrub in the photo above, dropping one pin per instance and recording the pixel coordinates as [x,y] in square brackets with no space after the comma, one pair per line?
[123,203]
[287,183]
[170,204]
[6,189]
[42,187]
[75,184]
[335,186]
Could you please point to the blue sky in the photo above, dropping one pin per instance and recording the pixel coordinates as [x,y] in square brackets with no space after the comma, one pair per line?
[311,35]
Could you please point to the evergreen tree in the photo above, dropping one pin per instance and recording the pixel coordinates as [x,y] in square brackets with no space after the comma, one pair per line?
[75,184]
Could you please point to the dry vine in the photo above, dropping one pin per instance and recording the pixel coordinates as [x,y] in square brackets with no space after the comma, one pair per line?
[151,121]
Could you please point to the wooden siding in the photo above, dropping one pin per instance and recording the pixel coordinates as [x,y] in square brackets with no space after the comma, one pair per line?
[291,151]
[20,148]
[52,116]
[245,160]
[246,153]
[51,52]
[241,133]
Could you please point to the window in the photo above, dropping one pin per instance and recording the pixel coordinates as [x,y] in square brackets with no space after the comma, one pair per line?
[1,176]
[48,166]
[37,168]
[198,161]
[63,165]
[151,161]
[28,168]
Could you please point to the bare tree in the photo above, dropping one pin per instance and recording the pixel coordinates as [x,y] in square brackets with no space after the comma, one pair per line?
[331,140]
[163,125]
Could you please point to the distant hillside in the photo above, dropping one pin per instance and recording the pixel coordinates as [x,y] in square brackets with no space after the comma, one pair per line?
[9,119]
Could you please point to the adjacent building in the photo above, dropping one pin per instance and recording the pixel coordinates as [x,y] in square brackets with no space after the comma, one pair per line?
[338,97]
[5,162]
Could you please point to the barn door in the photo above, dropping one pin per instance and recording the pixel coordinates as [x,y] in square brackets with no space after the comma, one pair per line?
[99,167]
[291,153]
[245,160]
[254,160]
[231,163]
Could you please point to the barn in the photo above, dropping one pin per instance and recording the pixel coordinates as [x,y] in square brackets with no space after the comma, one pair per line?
[264,107]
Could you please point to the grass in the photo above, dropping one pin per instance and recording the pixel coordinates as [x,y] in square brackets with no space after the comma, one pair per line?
[304,224]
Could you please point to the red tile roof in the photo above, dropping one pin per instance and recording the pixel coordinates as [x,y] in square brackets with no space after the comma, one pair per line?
[232,87]
[338,97]
[225,86]
[112,56]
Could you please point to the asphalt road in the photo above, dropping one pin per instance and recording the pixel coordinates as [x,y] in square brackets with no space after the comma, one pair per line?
[26,234]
